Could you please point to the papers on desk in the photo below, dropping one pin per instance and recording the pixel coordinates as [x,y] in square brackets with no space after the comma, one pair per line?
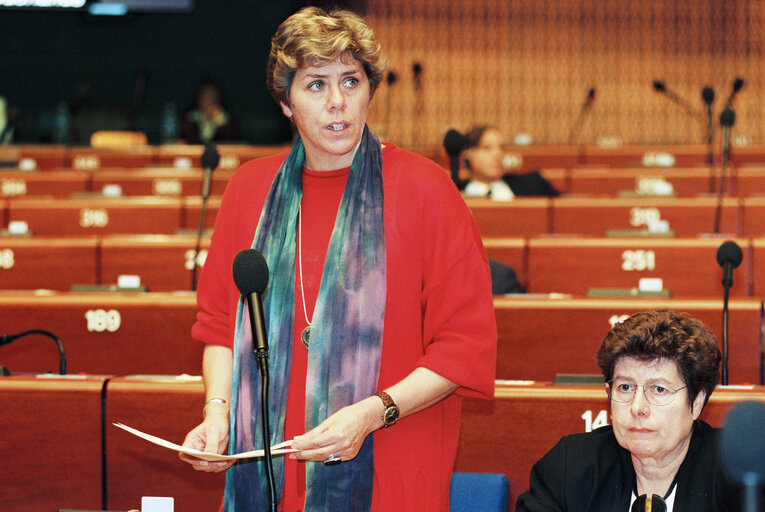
[278,449]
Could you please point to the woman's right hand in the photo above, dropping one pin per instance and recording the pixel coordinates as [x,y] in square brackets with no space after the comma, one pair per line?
[210,436]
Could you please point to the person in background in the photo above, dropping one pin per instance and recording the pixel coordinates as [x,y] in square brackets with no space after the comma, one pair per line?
[483,155]
[660,369]
[379,309]
[208,121]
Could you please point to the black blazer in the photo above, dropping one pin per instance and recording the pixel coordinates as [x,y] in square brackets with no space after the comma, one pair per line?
[591,472]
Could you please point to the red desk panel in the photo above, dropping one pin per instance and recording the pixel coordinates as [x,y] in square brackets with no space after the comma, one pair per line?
[758,266]
[35,156]
[688,266]
[160,181]
[509,434]
[517,218]
[510,251]
[96,216]
[231,155]
[539,337]
[164,262]
[102,333]
[92,159]
[685,182]
[134,468]
[192,210]
[686,216]
[50,438]
[50,183]
[51,263]
[753,216]
[628,156]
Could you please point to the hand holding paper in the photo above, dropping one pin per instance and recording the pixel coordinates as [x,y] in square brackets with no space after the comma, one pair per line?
[278,449]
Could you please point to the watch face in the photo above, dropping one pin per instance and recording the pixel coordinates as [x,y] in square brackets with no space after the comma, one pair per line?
[390,416]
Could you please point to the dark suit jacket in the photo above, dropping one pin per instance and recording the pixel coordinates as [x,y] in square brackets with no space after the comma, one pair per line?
[591,472]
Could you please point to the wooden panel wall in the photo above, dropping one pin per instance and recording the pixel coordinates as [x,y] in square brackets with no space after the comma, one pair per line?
[527,65]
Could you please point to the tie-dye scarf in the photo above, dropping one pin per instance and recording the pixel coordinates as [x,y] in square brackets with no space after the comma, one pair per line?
[346,335]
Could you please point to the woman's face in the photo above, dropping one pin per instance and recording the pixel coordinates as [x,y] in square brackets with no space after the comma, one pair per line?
[486,157]
[328,105]
[652,432]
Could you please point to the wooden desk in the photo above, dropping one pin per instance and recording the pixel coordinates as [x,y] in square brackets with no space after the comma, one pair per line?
[35,156]
[753,216]
[91,159]
[95,216]
[517,218]
[39,183]
[758,266]
[28,263]
[231,155]
[162,181]
[164,262]
[102,333]
[539,337]
[510,251]
[508,435]
[686,216]
[50,438]
[686,155]
[168,408]
[688,182]
[192,210]
[688,266]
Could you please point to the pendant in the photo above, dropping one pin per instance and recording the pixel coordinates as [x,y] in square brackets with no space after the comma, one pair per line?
[305,336]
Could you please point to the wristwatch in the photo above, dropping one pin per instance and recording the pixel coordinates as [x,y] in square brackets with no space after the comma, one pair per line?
[390,415]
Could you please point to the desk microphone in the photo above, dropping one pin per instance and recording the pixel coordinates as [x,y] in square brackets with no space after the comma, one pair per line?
[251,278]
[661,88]
[454,143]
[210,161]
[742,450]
[7,339]
[727,118]
[729,257]
[708,96]
[738,83]
[585,108]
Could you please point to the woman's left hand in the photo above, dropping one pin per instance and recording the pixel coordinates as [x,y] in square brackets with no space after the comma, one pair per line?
[342,434]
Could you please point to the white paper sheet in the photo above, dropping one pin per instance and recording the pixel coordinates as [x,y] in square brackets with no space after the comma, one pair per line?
[277,449]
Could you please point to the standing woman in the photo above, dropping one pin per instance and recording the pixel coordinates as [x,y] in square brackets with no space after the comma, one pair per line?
[378,308]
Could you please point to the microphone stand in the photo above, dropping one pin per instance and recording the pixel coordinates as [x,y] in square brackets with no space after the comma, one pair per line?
[727,118]
[726,293]
[210,159]
[8,338]
[258,326]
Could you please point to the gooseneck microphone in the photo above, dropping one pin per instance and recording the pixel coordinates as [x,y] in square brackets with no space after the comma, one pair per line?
[738,83]
[454,143]
[727,118]
[6,339]
[742,450]
[661,88]
[251,278]
[586,106]
[729,257]
[210,161]
[708,96]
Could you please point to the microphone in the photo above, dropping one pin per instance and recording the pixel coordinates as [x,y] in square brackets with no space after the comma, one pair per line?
[582,113]
[738,83]
[7,339]
[210,161]
[729,257]
[251,278]
[742,449]
[708,96]
[661,88]
[454,143]
[727,118]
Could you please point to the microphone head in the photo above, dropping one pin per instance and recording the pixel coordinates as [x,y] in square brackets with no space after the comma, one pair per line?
[454,142]
[417,69]
[250,272]
[729,251]
[210,157]
[742,443]
[659,86]
[591,94]
[727,118]
[708,95]
[391,78]
[738,83]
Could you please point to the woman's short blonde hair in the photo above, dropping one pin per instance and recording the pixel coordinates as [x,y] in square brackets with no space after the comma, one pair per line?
[313,37]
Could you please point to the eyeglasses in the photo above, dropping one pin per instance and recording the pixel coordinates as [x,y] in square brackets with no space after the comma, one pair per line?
[624,392]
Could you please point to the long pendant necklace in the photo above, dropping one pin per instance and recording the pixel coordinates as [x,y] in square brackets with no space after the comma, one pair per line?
[305,336]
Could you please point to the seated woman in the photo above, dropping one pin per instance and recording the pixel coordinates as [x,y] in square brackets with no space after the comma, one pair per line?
[483,156]
[660,369]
